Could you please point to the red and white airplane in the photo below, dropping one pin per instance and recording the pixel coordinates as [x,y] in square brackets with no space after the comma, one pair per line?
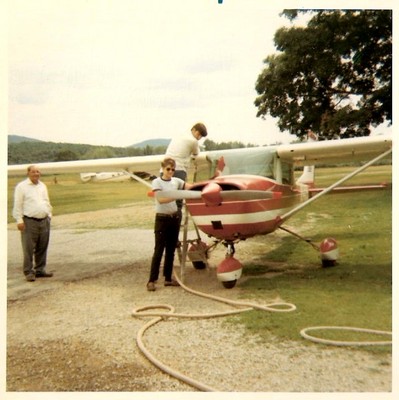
[252,192]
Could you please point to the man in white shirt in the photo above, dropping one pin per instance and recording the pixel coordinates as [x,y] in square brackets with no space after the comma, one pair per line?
[167,224]
[184,149]
[32,211]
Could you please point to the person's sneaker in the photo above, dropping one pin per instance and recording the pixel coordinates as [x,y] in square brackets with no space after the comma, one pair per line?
[172,283]
[151,286]
[31,277]
[44,274]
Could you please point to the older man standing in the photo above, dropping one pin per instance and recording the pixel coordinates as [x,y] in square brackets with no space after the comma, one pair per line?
[32,211]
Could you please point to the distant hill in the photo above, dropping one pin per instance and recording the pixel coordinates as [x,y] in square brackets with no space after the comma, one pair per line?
[151,143]
[20,139]
[140,145]
[25,150]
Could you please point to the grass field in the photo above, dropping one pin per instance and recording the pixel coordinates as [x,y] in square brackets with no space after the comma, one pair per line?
[357,292]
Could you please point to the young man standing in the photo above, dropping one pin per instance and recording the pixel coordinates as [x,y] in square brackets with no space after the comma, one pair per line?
[167,224]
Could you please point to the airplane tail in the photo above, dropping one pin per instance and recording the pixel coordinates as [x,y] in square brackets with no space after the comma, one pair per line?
[308,174]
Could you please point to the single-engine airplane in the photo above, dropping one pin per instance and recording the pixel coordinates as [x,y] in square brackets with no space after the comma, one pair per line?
[245,192]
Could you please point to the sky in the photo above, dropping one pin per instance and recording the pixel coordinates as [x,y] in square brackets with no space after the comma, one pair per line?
[119,72]
[116,73]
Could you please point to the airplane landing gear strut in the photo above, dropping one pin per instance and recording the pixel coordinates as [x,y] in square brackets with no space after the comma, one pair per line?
[328,248]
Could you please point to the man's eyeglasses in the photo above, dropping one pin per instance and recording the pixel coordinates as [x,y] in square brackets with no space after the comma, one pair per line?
[170,169]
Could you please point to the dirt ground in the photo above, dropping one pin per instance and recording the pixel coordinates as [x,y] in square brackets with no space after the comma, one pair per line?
[75,332]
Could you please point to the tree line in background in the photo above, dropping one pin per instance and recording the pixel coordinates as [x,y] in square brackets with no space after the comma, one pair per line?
[31,152]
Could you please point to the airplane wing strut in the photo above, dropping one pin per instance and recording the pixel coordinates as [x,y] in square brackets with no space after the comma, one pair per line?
[138,179]
[334,185]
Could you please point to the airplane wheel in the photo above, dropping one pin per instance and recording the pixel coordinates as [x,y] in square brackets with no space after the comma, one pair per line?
[229,271]
[229,284]
[328,263]
[199,265]
[196,253]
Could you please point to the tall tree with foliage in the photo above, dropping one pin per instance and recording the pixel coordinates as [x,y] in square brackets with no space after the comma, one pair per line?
[333,76]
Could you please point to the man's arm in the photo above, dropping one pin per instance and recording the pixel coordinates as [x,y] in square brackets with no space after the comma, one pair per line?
[18,210]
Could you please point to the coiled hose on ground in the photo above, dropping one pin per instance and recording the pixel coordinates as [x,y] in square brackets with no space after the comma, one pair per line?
[148,311]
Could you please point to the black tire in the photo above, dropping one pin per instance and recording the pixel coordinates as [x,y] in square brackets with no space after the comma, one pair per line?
[229,284]
[199,265]
[328,263]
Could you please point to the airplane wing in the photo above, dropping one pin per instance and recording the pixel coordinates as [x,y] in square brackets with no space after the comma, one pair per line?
[254,160]
[150,164]
[335,151]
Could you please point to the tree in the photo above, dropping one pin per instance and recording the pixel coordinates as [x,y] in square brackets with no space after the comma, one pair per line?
[98,152]
[333,76]
[66,155]
[210,145]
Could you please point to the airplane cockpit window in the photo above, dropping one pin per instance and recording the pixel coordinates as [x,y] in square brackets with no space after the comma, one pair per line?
[261,161]
[253,161]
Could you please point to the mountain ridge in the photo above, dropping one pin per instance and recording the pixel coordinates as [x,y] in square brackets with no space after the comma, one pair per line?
[20,139]
[144,143]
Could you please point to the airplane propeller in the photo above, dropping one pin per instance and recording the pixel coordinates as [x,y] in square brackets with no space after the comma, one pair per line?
[225,195]
[178,194]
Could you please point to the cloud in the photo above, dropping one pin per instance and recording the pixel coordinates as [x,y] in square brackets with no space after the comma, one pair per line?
[93,71]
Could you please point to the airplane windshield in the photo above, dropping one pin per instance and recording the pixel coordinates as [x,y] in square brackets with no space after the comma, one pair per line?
[253,161]
[261,161]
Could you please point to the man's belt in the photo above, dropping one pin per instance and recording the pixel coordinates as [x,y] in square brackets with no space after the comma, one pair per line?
[35,219]
[174,215]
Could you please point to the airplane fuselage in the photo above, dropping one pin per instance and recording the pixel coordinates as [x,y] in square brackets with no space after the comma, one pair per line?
[231,220]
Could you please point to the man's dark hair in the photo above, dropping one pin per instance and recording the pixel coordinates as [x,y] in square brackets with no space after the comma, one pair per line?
[168,161]
[201,128]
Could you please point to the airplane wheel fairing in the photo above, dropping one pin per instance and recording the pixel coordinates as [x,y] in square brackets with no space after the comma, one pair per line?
[229,284]
[329,252]
[229,271]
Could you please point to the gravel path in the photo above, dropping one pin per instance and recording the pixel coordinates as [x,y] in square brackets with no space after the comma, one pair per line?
[75,332]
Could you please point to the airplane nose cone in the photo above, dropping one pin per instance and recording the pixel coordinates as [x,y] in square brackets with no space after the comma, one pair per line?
[211,194]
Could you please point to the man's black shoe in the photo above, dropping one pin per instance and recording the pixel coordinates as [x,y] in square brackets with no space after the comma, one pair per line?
[44,274]
[30,277]
[172,283]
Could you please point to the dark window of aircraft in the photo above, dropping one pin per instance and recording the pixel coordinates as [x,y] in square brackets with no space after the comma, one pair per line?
[217,225]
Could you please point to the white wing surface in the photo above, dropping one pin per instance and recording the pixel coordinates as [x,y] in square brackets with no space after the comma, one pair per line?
[335,151]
